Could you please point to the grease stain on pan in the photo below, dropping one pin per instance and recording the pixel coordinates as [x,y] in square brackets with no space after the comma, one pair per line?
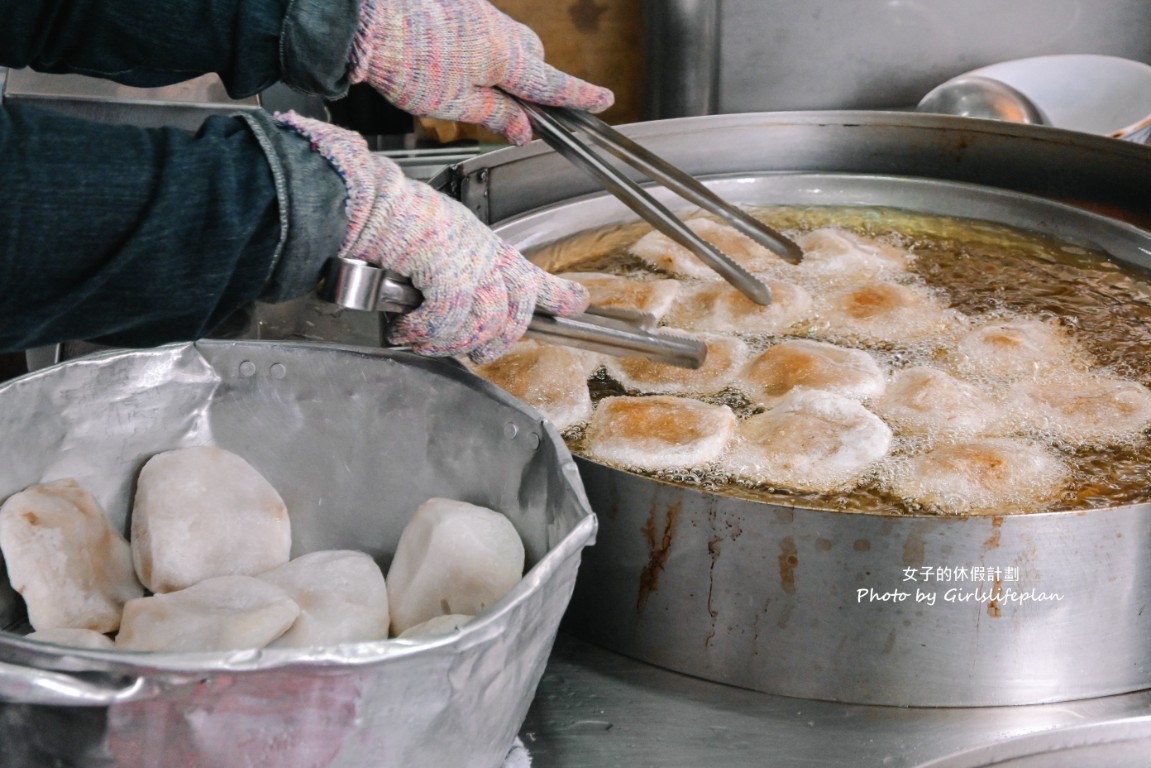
[996,532]
[785,616]
[993,608]
[914,548]
[658,547]
[731,529]
[613,509]
[788,562]
[714,549]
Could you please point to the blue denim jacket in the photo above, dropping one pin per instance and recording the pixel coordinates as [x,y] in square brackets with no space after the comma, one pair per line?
[133,236]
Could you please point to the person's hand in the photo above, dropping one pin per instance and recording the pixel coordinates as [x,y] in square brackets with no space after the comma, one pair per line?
[479,292]
[450,59]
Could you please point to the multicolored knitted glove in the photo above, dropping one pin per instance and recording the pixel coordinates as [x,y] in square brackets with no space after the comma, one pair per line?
[479,292]
[448,58]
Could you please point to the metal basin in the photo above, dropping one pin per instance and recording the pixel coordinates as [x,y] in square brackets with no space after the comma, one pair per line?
[353,440]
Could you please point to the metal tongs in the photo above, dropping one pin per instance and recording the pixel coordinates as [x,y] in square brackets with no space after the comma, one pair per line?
[359,285]
[557,127]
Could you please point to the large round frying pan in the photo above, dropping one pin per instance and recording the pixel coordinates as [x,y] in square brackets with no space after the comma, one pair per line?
[767,595]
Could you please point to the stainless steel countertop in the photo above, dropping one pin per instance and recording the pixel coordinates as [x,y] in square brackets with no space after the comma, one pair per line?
[597,709]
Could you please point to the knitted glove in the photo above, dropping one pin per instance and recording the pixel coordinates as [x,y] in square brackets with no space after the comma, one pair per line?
[447,58]
[479,292]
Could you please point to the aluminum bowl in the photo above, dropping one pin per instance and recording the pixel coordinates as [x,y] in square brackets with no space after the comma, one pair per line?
[353,440]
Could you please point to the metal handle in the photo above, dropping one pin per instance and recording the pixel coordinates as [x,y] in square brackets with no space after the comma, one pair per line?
[29,685]
[359,285]
[615,337]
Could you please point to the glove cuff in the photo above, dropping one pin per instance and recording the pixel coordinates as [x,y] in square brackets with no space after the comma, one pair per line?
[377,46]
[375,185]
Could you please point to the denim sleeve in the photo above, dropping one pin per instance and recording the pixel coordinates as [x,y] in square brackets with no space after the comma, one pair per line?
[250,44]
[134,237]
[316,45]
[313,208]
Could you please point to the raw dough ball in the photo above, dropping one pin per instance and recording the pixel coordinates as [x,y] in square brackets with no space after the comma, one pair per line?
[224,613]
[834,256]
[453,557]
[203,512]
[63,556]
[878,311]
[342,598]
[1015,349]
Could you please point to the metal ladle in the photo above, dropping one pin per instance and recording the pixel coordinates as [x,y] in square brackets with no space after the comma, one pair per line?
[982,97]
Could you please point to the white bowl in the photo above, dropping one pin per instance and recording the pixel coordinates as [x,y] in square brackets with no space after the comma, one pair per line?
[1106,95]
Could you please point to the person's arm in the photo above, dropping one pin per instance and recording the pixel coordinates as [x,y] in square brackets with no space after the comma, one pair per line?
[250,44]
[136,236]
[449,59]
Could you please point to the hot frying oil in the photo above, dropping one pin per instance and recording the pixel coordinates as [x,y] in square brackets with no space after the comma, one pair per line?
[983,270]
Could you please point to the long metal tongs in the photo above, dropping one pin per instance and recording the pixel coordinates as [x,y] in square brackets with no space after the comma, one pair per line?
[359,285]
[557,126]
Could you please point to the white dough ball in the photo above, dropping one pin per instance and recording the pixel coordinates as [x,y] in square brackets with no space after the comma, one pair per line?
[71,566]
[452,558]
[654,297]
[225,613]
[342,598]
[1087,409]
[726,356]
[878,311]
[203,512]
[718,307]
[1016,349]
[926,401]
[834,256]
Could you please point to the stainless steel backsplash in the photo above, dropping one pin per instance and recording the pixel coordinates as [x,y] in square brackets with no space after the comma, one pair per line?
[722,56]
